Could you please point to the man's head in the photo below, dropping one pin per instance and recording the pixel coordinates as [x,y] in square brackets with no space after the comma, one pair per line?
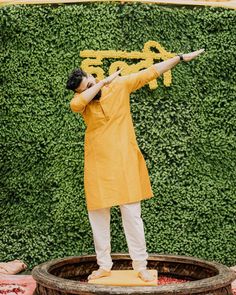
[79,81]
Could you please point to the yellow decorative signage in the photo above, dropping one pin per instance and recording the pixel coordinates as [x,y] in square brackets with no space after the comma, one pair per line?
[94,60]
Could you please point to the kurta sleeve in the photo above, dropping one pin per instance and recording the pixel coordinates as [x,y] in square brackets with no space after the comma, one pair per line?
[78,103]
[137,80]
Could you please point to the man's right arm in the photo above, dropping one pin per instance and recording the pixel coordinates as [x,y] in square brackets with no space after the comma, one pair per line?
[80,100]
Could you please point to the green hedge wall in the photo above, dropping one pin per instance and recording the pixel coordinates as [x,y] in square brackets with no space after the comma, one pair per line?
[186,132]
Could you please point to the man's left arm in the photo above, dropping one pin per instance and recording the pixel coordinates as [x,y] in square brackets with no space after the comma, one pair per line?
[137,80]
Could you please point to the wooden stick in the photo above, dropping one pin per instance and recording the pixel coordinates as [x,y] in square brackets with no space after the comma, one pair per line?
[219,3]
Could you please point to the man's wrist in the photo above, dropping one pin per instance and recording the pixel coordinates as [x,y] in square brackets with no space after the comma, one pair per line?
[181,57]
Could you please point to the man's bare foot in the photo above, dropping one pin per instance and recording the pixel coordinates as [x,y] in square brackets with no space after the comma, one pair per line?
[96,274]
[146,276]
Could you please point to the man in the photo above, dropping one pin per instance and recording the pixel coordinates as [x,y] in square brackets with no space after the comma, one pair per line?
[115,171]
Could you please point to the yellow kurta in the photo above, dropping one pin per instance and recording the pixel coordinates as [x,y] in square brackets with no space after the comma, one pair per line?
[115,171]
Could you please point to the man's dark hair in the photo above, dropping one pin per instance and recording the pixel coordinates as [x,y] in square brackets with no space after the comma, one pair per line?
[75,79]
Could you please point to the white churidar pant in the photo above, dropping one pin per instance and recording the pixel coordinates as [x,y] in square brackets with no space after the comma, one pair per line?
[134,232]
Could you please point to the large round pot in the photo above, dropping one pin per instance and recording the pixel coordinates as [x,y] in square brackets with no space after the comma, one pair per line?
[68,276]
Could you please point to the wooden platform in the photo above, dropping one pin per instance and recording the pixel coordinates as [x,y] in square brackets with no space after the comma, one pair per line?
[125,278]
[221,3]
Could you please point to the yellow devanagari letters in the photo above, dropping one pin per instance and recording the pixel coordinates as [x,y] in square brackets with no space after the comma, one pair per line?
[94,60]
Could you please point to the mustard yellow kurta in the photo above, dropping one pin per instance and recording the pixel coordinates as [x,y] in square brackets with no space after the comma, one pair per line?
[115,171]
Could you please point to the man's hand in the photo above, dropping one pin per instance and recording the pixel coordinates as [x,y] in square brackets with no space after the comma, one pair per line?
[192,55]
[110,78]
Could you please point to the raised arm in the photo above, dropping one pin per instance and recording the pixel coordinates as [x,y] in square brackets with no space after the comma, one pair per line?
[80,100]
[137,80]
[168,64]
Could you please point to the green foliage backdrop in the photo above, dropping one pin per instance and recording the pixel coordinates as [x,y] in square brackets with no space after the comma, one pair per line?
[186,132]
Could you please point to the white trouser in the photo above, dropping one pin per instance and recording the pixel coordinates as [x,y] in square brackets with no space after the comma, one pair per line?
[134,232]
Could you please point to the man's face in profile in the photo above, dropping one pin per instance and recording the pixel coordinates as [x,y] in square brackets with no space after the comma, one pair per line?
[86,83]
